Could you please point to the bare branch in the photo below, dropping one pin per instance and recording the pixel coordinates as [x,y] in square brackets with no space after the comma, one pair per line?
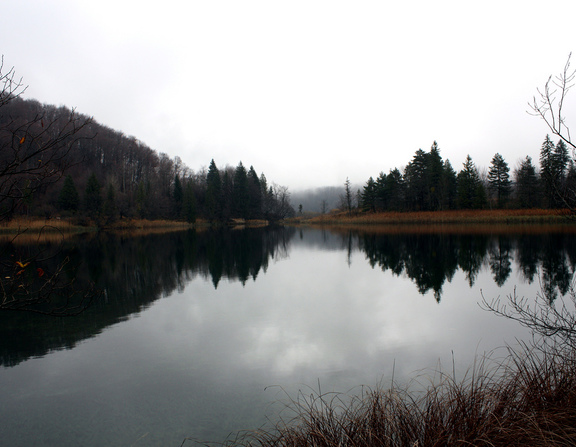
[36,147]
[550,320]
[10,87]
[548,104]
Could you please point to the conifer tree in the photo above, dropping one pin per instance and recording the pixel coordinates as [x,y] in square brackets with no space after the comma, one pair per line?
[547,171]
[561,161]
[381,199]
[254,195]
[189,203]
[178,197]
[92,197]
[213,198]
[368,196]
[346,198]
[449,186]
[527,185]
[471,193]
[227,193]
[415,176]
[110,209]
[499,179]
[240,192]
[68,200]
[395,190]
[435,168]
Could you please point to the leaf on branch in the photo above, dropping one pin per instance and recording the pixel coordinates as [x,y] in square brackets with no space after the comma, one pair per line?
[22,140]
[22,265]
[40,272]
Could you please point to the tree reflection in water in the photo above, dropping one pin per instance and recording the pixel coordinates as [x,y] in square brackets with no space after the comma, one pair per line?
[133,272]
[431,259]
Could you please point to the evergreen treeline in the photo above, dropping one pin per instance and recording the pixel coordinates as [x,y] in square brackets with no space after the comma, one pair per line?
[110,175]
[428,183]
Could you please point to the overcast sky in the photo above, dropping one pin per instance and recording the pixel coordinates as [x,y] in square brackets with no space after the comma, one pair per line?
[308,92]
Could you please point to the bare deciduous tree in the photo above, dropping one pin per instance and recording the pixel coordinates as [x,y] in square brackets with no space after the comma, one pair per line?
[10,86]
[553,320]
[548,104]
[35,150]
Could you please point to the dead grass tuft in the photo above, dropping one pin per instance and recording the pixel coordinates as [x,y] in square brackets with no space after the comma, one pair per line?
[443,217]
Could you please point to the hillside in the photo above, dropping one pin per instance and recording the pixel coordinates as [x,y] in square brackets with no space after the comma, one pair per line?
[56,162]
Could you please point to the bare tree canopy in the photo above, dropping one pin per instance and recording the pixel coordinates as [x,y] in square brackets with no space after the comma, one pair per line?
[34,152]
[548,104]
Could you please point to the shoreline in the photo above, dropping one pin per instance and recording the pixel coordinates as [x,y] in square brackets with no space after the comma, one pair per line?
[426,221]
[529,216]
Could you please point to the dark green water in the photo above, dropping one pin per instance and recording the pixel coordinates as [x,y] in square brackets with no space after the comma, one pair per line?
[202,334]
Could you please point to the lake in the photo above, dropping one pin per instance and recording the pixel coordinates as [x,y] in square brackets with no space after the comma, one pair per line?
[202,334]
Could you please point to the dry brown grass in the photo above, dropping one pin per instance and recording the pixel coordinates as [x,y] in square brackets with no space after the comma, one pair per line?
[37,225]
[444,217]
[144,224]
[453,228]
[27,231]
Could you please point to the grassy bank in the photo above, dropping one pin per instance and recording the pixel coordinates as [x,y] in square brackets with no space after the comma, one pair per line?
[74,226]
[440,217]
[527,400]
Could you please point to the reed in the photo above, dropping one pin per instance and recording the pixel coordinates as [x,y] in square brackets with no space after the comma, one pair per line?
[529,399]
[443,217]
[36,225]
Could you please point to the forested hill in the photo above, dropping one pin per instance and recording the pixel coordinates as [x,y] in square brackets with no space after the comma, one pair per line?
[55,162]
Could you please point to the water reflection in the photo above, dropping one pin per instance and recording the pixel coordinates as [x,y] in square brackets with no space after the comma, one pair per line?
[247,309]
[133,272]
[431,260]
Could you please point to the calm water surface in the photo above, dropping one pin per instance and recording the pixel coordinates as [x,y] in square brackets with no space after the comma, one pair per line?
[202,334]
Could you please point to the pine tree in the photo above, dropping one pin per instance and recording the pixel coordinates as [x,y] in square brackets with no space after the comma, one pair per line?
[69,200]
[92,197]
[178,197]
[213,198]
[527,185]
[381,199]
[570,186]
[415,176]
[240,192]
[110,209]
[395,190]
[254,195]
[227,196]
[471,193]
[434,177]
[189,203]
[561,160]
[346,198]
[368,197]
[561,163]
[547,171]
[449,186]
[267,198]
[499,179]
